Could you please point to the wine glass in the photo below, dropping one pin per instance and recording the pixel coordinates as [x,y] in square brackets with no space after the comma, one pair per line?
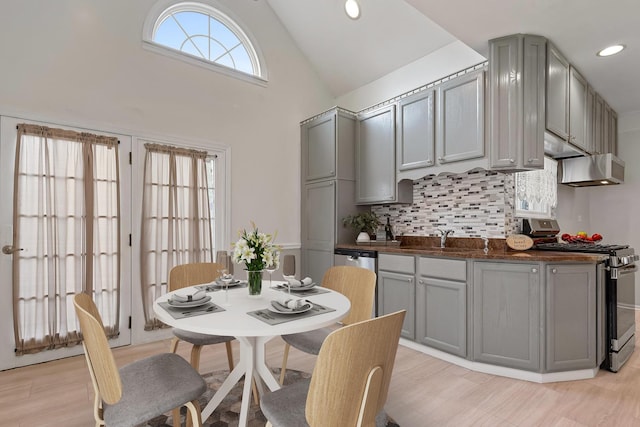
[270,269]
[226,279]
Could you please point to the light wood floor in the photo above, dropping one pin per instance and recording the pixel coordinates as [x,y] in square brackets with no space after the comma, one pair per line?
[424,392]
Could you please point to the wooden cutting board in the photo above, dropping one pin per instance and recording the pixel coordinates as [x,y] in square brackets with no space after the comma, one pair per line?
[519,242]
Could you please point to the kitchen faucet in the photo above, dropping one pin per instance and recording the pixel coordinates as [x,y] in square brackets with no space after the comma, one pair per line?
[443,236]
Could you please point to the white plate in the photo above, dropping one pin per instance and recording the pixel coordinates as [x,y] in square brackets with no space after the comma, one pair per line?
[189,304]
[302,309]
[231,284]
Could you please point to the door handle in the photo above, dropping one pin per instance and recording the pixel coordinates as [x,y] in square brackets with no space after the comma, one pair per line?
[10,249]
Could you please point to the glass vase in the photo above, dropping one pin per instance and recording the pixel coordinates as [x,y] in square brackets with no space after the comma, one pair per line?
[254,278]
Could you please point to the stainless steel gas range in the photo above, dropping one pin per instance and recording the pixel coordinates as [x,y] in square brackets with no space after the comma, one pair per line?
[620,296]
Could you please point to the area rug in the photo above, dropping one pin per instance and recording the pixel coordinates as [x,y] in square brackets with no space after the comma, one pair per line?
[227,413]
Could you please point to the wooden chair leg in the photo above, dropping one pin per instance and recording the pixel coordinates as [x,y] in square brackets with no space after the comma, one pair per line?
[176,416]
[254,389]
[195,357]
[229,355]
[285,356]
[174,344]
[194,416]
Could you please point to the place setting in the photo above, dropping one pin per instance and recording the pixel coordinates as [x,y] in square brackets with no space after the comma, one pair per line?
[287,308]
[189,303]
[306,286]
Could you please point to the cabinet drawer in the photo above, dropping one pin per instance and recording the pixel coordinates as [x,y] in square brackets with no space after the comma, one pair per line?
[452,269]
[399,263]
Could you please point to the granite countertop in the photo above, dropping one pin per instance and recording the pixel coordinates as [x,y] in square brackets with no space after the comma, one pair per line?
[472,248]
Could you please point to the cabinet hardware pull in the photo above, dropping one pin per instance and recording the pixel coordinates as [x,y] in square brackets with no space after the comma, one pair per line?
[554,271]
[534,270]
[529,160]
[512,161]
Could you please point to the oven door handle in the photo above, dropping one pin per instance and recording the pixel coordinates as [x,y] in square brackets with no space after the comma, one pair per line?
[626,270]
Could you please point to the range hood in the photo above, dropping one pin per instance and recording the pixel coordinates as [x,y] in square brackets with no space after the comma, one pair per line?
[600,169]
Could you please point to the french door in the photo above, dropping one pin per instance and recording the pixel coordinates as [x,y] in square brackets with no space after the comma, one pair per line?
[8,138]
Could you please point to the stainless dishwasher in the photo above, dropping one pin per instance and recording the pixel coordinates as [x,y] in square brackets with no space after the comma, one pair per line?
[362,258]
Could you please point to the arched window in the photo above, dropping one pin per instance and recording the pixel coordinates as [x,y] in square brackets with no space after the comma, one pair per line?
[200,32]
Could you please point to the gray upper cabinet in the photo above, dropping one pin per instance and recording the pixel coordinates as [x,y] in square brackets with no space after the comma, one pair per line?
[416,131]
[319,148]
[610,131]
[517,70]
[327,146]
[571,317]
[590,112]
[557,92]
[598,119]
[578,92]
[506,314]
[375,159]
[460,118]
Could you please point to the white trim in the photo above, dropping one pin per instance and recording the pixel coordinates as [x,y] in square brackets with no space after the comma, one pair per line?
[212,7]
[536,377]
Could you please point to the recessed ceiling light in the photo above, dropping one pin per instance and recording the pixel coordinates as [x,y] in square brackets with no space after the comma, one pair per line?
[352,8]
[611,50]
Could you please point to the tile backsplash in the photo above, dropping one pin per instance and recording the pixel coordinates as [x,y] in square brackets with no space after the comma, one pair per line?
[473,204]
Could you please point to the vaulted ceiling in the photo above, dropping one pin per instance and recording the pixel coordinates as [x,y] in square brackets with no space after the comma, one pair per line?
[390,34]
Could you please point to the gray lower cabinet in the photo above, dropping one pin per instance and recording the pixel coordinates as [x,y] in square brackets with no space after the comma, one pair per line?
[398,292]
[506,314]
[441,317]
[441,304]
[397,289]
[570,317]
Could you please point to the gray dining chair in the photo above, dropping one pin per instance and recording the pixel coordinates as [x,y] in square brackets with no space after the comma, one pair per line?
[140,390]
[343,391]
[359,286]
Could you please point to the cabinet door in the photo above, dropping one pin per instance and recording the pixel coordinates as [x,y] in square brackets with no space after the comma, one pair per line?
[315,263]
[441,317]
[460,113]
[577,110]
[506,314]
[591,131]
[319,148]
[319,218]
[571,317]
[557,92]
[416,131]
[598,117]
[517,69]
[375,156]
[613,133]
[398,292]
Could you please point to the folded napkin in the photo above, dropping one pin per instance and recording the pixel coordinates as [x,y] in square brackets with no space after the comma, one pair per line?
[304,282]
[189,297]
[291,302]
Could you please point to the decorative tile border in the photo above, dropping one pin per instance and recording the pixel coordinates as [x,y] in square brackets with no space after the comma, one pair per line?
[473,204]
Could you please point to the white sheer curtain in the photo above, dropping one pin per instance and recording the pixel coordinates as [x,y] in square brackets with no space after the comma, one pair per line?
[176,226]
[69,238]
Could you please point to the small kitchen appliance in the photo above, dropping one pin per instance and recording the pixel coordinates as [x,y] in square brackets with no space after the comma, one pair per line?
[620,269]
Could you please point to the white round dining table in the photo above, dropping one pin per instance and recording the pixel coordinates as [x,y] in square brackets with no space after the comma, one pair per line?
[251,333]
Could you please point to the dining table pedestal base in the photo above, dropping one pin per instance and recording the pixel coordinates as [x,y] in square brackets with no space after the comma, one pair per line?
[252,366]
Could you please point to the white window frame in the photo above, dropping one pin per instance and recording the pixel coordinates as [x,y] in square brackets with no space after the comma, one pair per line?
[547,188]
[165,7]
